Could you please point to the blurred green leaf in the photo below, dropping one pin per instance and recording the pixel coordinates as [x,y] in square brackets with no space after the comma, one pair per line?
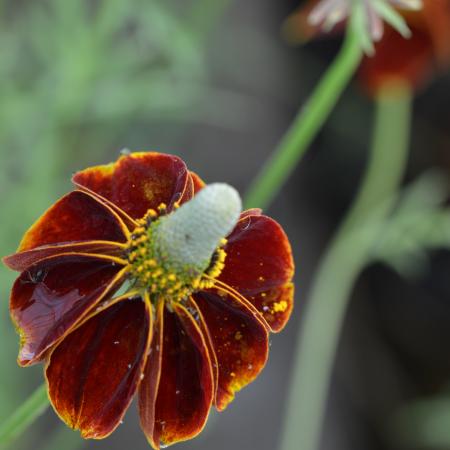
[423,423]
[419,224]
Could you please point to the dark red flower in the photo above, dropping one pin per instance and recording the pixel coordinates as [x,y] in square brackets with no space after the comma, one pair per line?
[84,305]
[413,60]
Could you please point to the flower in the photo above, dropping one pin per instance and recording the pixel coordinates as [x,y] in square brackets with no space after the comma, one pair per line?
[107,299]
[328,13]
[410,61]
[414,60]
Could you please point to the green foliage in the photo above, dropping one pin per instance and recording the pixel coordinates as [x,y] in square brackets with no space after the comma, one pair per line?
[423,423]
[419,224]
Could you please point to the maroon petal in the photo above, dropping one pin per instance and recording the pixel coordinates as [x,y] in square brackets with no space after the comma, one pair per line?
[93,374]
[22,260]
[260,267]
[251,212]
[196,313]
[185,389]
[148,389]
[77,216]
[240,342]
[50,297]
[199,184]
[138,182]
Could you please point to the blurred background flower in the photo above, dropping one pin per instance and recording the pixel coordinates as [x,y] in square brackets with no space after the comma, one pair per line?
[413,60]
[213,81]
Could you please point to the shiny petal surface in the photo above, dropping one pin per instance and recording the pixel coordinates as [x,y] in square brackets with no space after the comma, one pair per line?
[22,260]
[185,390]
[93,374]
[148,389]
[139,181]
[51,296]
[195,312]
[240,342]
[75,217]
[260,267]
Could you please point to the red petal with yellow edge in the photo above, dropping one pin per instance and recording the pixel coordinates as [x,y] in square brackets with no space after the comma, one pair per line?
[49,298]
[138,182]
[250,212]
[240,342]
[185,391]
[22,260]
[198,182]
[398,59]
[93,374]
[195,312]
[148,389]
[75,217]
[259,266]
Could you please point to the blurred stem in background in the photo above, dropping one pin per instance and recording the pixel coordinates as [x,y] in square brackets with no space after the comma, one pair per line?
[25,415]
[348,253]
[308,122]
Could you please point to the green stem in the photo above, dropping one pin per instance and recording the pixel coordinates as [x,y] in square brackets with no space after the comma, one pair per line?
[25,415]
[348,253]
[306,125]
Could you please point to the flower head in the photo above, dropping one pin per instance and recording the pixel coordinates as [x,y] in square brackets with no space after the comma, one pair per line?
[414,60]
[144,280]
[366,16]
[328,13]
[411,60]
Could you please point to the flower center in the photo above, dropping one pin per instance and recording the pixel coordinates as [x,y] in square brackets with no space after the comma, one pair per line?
[151,269]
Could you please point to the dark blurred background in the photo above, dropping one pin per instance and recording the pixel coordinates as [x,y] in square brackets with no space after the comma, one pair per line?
[214,82]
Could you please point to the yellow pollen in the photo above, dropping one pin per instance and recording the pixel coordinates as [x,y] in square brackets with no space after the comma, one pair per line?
[280,306]
[152,272]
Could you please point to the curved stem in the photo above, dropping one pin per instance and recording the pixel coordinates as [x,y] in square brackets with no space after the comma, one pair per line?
[25,415]
[306,125]
[348,253]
